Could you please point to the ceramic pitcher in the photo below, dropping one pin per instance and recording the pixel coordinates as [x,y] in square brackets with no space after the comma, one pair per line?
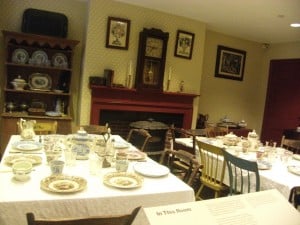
[26,128]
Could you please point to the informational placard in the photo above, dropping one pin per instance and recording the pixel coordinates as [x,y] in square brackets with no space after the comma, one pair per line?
[259,208]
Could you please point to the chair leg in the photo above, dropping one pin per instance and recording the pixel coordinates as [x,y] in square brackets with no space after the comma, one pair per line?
[199,192]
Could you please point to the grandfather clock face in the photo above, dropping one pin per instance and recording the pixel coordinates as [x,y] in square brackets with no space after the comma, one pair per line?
[151,59]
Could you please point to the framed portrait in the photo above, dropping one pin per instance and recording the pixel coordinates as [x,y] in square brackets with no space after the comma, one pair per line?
[230,63]
[117,34]
[184,44]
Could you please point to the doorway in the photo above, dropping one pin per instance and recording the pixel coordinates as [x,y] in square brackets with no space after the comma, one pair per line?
[282,107]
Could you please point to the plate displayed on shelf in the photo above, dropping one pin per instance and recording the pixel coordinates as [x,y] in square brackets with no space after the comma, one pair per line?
[63,184]
[20,55]
[34,159]
[27,145]
[60,60]
[39,57]
[53,113]
[123,180]
[151,169]
[40,81]
[136,155]
[294,169]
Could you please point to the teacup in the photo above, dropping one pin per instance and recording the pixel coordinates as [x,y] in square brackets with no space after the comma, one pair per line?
[57,167]
[22,170]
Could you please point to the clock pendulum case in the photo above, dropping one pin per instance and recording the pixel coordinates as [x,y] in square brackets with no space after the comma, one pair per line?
[151,59]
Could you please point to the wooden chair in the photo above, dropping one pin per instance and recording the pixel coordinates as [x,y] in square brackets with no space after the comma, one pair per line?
[290,144]
[212,173]
[41,128]
[213,131]
[182,164]
[241,173]
[182,133]
[139,138]
[126,219]
[294,197]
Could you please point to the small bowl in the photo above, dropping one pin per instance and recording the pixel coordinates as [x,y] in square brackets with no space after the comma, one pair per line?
[22,170]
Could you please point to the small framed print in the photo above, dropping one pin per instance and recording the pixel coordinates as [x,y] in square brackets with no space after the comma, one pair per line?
[117,34]
[184,44]
[230,63]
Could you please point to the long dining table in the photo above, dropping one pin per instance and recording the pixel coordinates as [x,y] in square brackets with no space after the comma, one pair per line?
[278,176]
[97,199]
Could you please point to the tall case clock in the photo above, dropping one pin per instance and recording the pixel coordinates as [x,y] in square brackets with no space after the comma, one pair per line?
[151,59]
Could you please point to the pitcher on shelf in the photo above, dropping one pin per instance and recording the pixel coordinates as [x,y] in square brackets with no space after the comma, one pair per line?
[26,129]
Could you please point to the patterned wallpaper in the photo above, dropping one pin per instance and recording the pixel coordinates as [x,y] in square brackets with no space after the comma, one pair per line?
[97,57]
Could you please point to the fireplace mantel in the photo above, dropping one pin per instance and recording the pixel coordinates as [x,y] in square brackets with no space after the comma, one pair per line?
[124,99]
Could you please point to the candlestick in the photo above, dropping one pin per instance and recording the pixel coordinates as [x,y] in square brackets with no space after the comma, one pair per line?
[168,84]
[130,68]
[129,81]
[170,73]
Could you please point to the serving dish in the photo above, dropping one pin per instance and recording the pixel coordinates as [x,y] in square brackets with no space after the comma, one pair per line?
[150,169]
[39,57]
[20,55]
[40,81]
[63,184]
[123,180]
[60,60]
[27,145]
[294,169]
[34,159]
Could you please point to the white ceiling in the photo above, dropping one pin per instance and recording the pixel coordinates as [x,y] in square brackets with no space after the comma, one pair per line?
[263,21]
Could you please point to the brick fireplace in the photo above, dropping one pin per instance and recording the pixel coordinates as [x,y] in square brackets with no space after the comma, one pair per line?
[120,106]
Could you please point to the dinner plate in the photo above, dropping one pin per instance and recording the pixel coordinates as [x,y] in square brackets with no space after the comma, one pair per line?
[20,55]
[53,113]
[294,169]
[151,169]
[60,60]
[264,165]
[39,57]
[135,155]
[63,184]
[27,145]
[121,145]
[296,156]
[40,81]
[34,159]
[123,180]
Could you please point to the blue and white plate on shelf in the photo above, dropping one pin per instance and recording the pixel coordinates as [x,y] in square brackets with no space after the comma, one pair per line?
[20,55]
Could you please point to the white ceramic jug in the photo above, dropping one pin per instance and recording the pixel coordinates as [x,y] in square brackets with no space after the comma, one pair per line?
[26,129]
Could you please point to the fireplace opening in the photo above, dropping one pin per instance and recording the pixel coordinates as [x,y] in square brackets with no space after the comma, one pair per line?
[119,122]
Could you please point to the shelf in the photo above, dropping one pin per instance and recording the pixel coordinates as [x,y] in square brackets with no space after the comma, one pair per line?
[25,115]
[36,92]
[36,67]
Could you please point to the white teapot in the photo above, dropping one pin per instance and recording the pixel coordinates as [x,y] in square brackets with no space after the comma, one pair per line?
[26,129]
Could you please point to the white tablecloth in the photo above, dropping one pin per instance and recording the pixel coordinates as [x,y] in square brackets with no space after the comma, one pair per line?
[278,177]
[18,198]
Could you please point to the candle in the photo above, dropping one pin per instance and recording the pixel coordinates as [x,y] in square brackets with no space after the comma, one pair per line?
[170,73]
[130,68]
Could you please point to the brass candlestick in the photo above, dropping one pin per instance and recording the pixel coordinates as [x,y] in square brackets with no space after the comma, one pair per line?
[168,84]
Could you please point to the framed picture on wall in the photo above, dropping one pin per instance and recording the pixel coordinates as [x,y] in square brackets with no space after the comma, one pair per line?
[230,63]
[117,34]
[184,44]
